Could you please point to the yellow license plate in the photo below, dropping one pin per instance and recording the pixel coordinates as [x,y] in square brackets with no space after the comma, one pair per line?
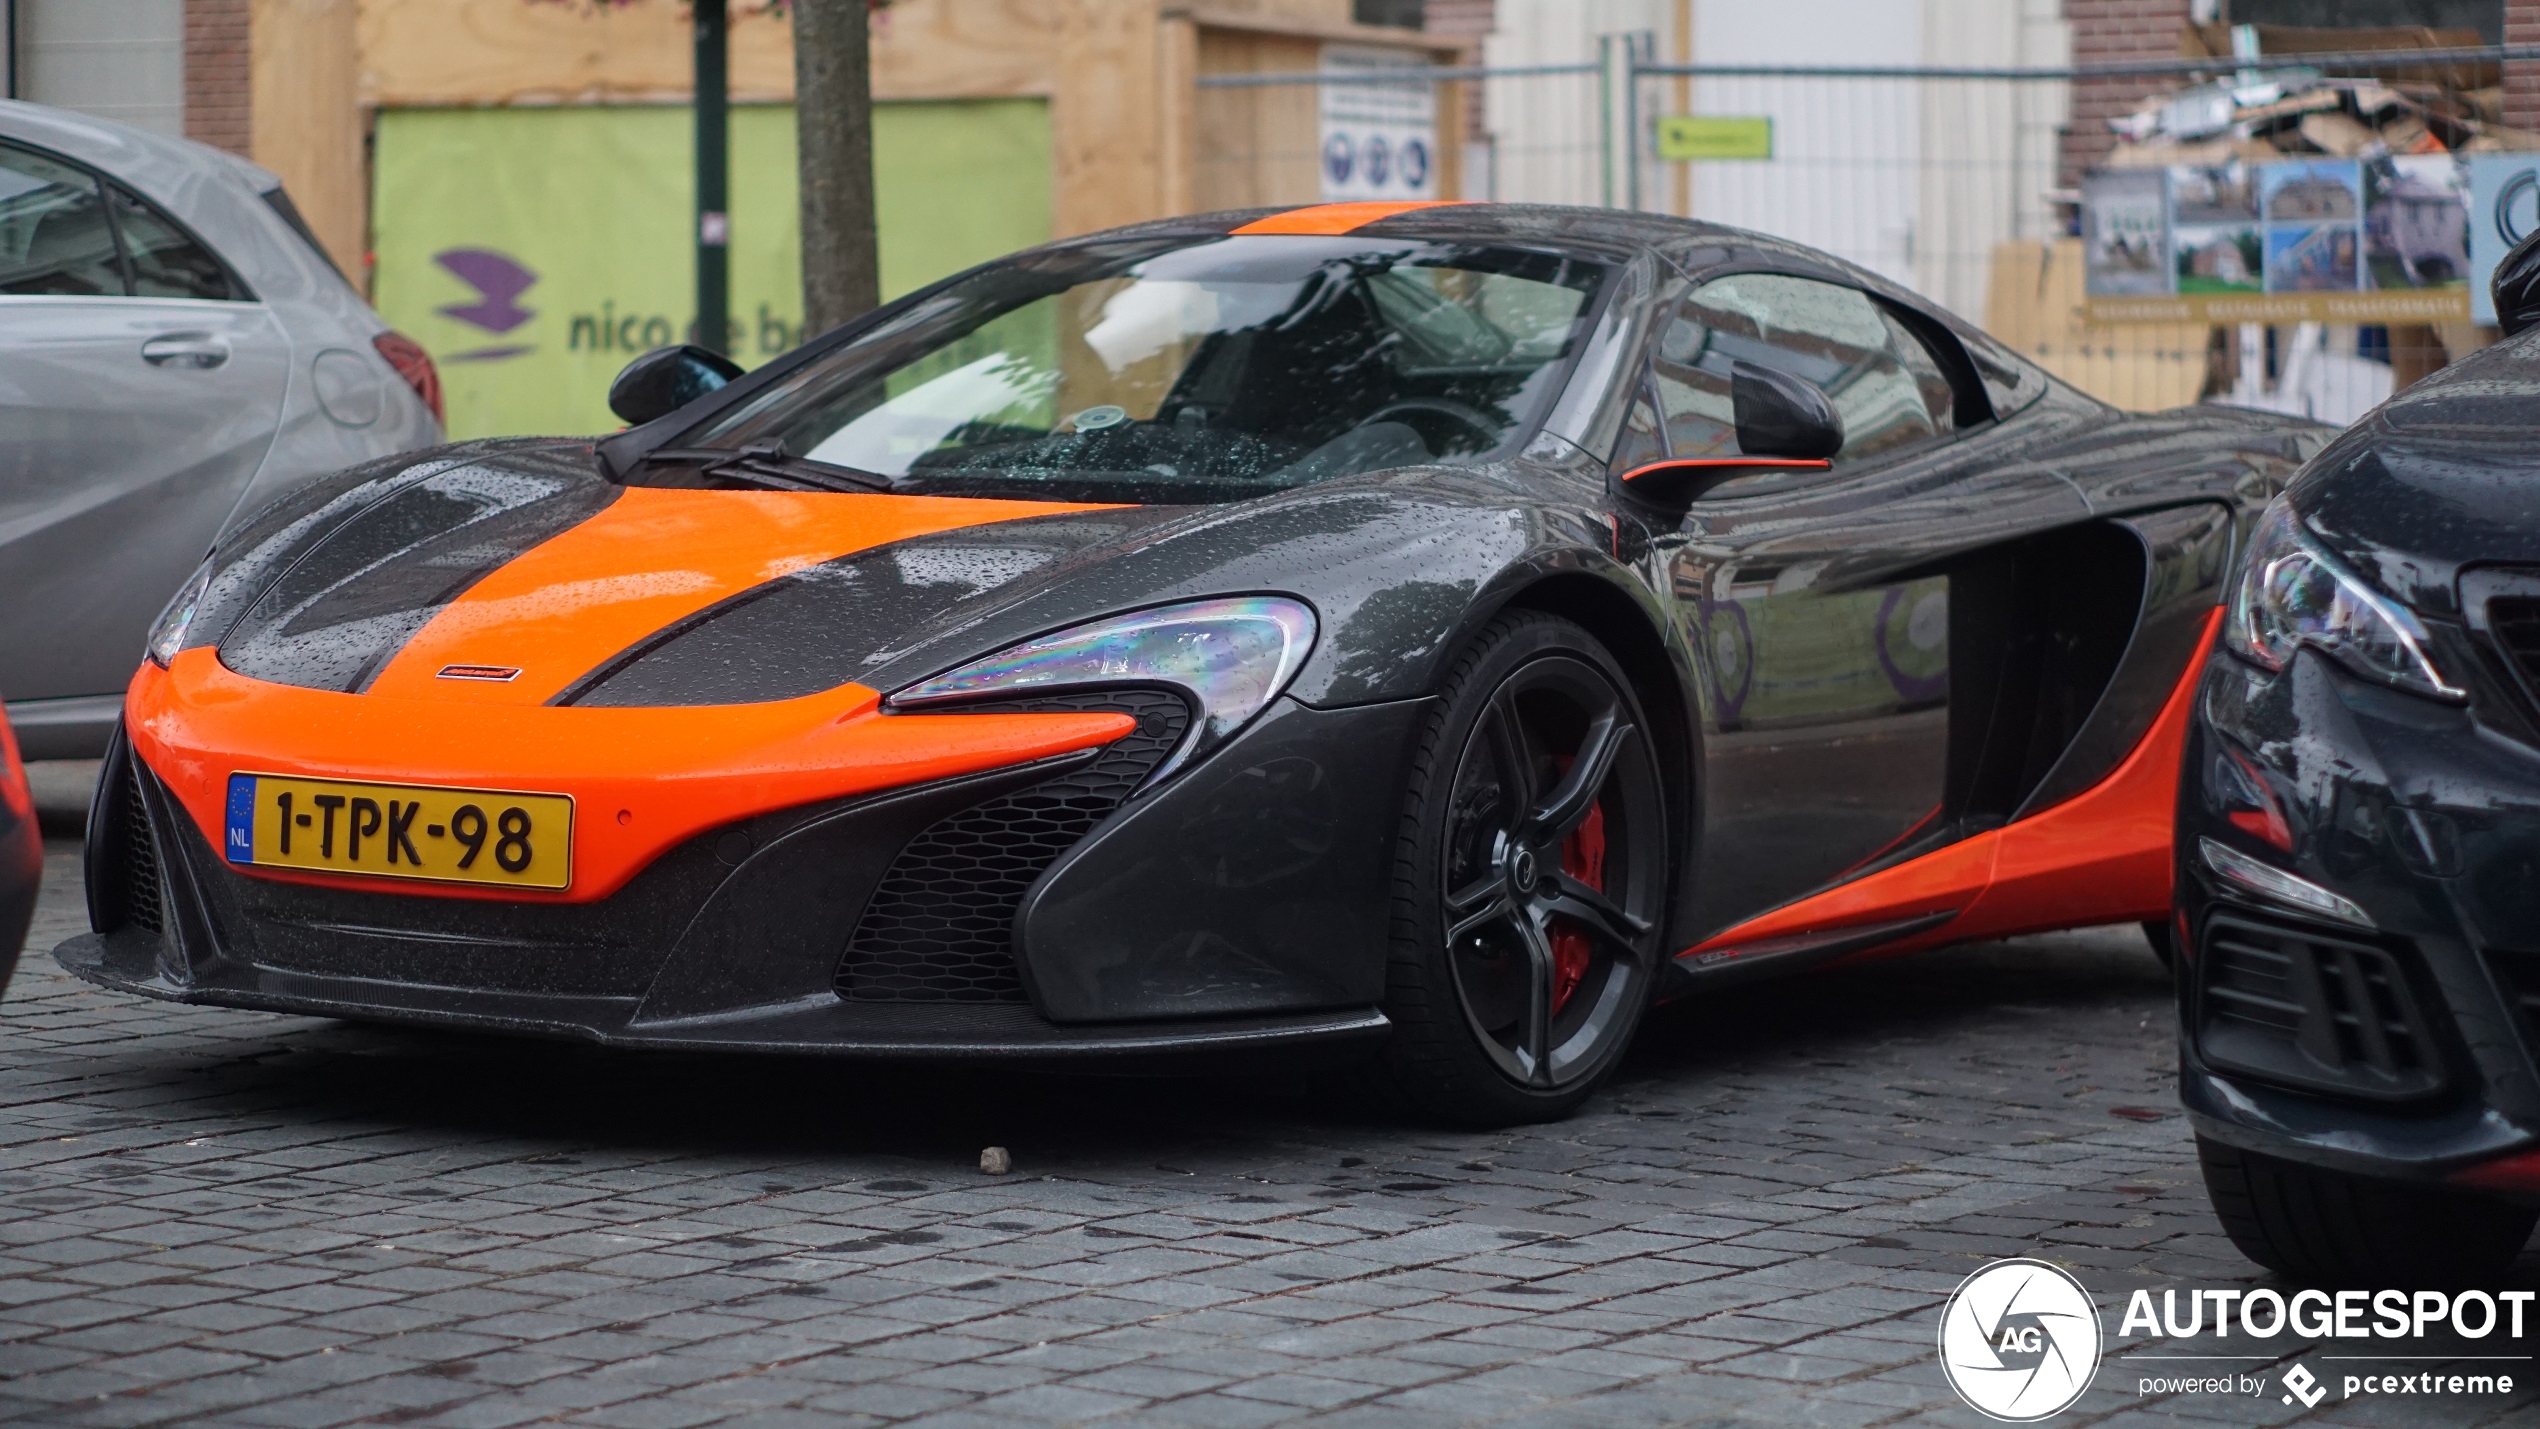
[400,830]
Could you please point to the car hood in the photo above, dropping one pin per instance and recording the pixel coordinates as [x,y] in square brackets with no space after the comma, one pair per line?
[513,573]
[2442,478]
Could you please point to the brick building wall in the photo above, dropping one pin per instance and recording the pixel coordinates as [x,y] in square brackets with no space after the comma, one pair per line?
[218,73]
[2106,31]
[2522,77]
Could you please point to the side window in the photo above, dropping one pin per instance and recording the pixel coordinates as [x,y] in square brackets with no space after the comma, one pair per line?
[1879,375]
[165,263]
[55,239]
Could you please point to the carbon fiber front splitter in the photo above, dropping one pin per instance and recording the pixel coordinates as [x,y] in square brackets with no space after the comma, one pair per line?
[821,1024]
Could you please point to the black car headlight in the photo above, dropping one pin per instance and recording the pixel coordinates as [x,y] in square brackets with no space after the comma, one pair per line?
[168,632]
[1230,657]
[2293,593]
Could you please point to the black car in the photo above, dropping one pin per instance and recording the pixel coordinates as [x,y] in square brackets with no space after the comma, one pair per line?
[1427,631]
[2359,845]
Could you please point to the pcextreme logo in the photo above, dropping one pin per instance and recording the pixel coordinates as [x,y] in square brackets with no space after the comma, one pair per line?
[2019,1340]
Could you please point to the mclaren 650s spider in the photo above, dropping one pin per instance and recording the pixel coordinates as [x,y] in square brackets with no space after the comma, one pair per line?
[1425,633]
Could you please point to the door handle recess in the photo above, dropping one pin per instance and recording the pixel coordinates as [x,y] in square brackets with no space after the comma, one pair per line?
[185,349]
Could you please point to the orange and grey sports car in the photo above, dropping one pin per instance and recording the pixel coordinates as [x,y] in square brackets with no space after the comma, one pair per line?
[1439,629]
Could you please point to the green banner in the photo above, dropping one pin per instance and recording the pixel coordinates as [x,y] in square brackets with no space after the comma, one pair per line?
[534,251]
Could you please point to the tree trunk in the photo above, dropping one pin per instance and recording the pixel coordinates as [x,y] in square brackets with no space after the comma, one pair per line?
[833,115]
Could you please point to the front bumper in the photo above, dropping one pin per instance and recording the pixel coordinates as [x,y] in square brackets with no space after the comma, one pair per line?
[1243,904]
[2414,1059]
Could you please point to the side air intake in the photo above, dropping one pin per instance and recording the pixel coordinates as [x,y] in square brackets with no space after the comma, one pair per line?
[940,928]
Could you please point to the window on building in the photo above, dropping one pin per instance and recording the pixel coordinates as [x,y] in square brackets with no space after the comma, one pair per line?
[1407,14]
[2487,17]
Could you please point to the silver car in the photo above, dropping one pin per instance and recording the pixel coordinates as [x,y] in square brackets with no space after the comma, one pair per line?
[175,350]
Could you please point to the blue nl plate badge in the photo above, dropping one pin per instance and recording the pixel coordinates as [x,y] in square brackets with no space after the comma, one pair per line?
[238,840]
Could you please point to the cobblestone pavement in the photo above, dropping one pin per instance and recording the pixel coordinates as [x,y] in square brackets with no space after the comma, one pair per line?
[210,1216]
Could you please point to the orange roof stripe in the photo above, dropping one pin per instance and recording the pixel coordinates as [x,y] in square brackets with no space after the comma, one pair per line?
[1327,219]
[654,556]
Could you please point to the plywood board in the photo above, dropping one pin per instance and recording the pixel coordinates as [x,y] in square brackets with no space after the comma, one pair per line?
[305,121]
[2035,305]
[437,53]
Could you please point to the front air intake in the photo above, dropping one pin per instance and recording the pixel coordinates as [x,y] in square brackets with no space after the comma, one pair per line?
[135,851]
[2291,1004]
[2514,622]
[940,928]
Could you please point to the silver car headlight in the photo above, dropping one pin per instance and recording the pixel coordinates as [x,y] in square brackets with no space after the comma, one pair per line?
[1229,657]
[2293,593]
[167,634]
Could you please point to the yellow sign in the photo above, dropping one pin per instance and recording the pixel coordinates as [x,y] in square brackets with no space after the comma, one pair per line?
[401,830]
[1714,136]
[2430,305]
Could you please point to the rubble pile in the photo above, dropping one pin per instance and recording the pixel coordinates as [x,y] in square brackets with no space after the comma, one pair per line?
[2297,113]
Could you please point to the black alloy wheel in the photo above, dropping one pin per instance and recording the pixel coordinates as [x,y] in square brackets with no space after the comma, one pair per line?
[1531,882]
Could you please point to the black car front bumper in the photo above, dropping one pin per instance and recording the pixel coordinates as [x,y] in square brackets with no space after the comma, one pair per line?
[1242,904]
[2399,1044]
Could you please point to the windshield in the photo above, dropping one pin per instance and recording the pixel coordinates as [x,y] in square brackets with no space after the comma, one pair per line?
[1187,372]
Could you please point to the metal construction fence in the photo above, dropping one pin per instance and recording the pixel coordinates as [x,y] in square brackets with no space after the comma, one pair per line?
[1942,179]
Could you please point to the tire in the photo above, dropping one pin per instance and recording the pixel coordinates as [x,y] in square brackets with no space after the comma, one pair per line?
[2335,1229]
[1527,915]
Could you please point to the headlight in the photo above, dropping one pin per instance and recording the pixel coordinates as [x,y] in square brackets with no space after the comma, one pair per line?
[168,635]
[1230,657]
[2293,593]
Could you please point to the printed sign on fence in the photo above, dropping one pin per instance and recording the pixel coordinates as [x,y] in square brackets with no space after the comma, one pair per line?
[1714,136]
[2302,240]
[1380,138]
[2504,209]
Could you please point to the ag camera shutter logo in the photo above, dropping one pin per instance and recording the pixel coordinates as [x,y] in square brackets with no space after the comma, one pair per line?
[2019,1340]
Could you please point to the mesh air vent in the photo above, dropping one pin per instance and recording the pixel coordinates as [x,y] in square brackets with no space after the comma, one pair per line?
[941,926]
[140,856]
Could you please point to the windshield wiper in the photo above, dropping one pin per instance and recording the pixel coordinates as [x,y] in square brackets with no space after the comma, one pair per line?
[767,465]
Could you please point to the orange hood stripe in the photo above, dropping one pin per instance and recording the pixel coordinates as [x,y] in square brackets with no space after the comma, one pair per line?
[651,558]
[1328,219]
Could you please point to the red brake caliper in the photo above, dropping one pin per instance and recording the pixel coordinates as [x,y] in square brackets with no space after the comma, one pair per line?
[1583,858]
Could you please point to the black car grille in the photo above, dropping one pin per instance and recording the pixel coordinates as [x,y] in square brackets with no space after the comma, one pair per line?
[137,853]
[940,928]
[2519,974]
[2294,1005]
[2514,621]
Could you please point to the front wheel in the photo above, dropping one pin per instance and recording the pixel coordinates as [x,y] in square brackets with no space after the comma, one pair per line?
[1530,880]
[2336,1229]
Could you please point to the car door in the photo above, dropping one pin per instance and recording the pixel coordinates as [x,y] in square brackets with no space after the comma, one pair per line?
[1820,601]
[140,384]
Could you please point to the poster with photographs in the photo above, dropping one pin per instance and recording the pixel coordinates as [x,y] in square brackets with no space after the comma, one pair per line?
[2125,238]
[2313,210]
[2214,233]
[2378,240]
[2416,223]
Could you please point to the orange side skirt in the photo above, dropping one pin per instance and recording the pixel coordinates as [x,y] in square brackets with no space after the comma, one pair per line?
[2102,856]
